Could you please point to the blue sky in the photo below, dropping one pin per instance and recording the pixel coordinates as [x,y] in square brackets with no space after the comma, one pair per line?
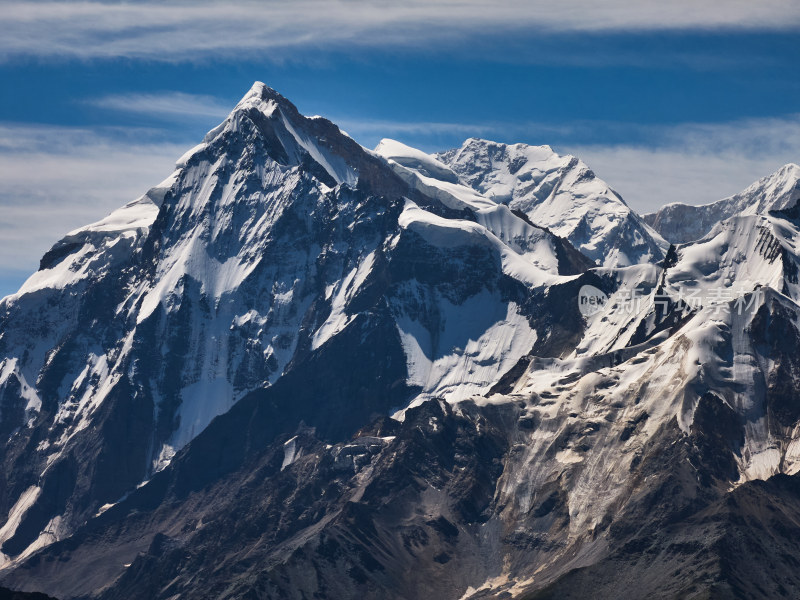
[682,101]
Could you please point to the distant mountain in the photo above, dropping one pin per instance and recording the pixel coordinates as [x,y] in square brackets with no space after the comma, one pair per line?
[299,368]
[560,193]
[681,223]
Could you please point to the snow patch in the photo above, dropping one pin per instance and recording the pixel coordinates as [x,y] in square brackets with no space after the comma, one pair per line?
[342,292]
[21,506]
[291,452]
[479,340]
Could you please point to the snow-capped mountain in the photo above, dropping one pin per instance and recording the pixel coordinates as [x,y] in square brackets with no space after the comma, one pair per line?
[681,223]
[299,368]
[560,193]
[274,236]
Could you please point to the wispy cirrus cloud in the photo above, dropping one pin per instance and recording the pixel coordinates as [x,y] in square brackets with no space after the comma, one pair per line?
[694,163]
[168,105]
[177,30]
[56,179]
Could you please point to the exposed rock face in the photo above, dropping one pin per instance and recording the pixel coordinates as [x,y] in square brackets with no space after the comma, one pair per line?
[302,369]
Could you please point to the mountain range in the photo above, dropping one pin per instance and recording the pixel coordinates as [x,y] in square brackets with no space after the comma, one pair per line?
[300,368]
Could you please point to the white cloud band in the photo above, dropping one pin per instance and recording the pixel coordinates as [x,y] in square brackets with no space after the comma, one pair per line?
[168,105]
[177,30]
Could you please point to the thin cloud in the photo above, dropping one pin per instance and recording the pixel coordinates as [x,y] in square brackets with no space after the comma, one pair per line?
[56,179]
[175,31]
[166,104]
[695,163]
[387,127]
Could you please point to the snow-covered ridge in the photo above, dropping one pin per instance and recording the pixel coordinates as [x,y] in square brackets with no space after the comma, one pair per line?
[428,175]
[681,223]
[733,304]
[417,160]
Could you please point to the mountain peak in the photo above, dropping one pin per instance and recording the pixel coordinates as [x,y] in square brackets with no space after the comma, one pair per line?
[261,91]
[558,192]
[790,169]
[288,137]
[776,191]
[475,141]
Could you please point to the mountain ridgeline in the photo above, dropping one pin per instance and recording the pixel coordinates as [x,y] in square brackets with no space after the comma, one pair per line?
[299,368]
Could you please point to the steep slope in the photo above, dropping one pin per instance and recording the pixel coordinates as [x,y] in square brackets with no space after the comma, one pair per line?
[560,193]
[274,237]
[681,223]
[744,549]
